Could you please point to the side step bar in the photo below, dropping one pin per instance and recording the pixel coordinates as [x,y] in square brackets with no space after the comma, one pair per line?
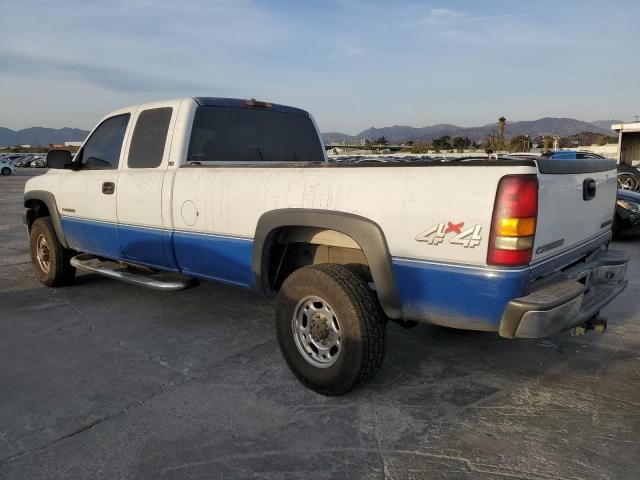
[133,274]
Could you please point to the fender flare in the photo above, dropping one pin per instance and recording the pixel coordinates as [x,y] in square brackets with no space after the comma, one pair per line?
[50,201]
[366,233]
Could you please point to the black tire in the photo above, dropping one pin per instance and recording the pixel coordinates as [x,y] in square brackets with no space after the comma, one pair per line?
[362,330]
[60,271]
[628,178]
[6,171]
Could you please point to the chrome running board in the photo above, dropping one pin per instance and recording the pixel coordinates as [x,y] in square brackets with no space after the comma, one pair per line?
[133,274]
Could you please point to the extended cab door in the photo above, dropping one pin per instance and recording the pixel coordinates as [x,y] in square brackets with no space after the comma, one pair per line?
[87,194]
[144,233]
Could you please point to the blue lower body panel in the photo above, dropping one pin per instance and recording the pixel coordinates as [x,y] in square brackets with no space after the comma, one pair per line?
[145,246]
[457,296]
[213,257]
[91,236]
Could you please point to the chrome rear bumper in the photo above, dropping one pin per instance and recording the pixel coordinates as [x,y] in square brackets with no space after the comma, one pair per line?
[568,299]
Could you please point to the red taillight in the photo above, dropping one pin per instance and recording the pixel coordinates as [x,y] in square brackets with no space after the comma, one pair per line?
[514,221]
[256,104]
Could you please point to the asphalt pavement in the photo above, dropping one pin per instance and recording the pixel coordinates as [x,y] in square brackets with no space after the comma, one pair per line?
[102,379]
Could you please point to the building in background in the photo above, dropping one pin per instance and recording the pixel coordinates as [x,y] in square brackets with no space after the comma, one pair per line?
[628,142]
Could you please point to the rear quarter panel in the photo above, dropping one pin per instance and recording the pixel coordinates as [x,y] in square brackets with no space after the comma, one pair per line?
[404,201]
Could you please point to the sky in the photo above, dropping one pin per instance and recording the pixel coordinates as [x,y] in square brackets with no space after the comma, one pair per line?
[352,63]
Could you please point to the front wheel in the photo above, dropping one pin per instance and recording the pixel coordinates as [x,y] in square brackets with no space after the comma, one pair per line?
[330,327]
[5,171]
[50,259]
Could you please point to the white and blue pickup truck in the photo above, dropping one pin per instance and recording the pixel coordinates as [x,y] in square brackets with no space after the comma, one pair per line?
[240,191]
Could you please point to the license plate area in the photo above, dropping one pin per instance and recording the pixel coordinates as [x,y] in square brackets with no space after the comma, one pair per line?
[609,273]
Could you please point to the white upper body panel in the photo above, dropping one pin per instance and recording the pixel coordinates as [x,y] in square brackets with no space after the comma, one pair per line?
[403,201]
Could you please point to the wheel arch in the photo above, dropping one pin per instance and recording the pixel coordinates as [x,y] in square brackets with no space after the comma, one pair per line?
[34,201]
[366,233]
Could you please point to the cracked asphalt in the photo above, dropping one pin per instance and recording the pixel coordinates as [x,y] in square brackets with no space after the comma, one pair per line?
[106,380]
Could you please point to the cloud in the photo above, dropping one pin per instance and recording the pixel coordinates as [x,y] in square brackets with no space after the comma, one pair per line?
[445,16]
[107,77]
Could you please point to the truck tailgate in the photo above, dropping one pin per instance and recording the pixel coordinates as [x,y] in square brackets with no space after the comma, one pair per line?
[570,211]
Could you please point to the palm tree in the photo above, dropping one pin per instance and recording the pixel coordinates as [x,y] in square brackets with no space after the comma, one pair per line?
[502,122]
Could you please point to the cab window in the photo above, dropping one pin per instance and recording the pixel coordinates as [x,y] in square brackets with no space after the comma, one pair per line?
[149,138]
[230,134]
[102,150]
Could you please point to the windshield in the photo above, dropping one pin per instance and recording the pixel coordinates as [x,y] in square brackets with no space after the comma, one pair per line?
[228,134]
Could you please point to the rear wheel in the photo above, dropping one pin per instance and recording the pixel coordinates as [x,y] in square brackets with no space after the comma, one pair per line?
[5,171]
[50,259]
[330,327]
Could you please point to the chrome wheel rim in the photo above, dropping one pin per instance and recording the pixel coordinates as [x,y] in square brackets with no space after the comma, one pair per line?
[316,331]
[627,182]
[43,255]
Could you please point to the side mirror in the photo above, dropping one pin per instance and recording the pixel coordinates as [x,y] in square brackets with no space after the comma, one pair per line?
[59,159]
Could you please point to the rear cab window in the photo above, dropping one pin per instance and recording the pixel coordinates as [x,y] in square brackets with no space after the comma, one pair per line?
[149,138]
[252,135]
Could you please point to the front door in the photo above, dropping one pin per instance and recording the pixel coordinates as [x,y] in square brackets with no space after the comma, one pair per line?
[87,195]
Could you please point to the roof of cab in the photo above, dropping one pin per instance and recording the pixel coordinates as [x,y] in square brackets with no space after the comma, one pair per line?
[239,102]
[210,102]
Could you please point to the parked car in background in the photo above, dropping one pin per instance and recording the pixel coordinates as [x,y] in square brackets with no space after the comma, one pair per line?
[23,161]
[627,216]
[12,159]
[628,176]
[38,163]
[524,155]
[6,167]
[570,155]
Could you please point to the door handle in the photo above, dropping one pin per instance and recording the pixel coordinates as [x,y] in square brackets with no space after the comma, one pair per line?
[588,189]
[108,188]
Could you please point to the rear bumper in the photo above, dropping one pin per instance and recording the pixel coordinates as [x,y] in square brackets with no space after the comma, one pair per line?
[568,299]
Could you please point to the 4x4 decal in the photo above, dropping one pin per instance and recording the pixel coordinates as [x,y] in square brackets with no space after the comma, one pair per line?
[469,238]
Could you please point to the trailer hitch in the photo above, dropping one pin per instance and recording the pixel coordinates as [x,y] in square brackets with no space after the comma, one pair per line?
[597,324]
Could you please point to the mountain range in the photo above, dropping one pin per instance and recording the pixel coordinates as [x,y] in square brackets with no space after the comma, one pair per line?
[40,136]
[562,127]
[397,133]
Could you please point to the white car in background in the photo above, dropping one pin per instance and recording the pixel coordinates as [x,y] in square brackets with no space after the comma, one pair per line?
[6,167]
